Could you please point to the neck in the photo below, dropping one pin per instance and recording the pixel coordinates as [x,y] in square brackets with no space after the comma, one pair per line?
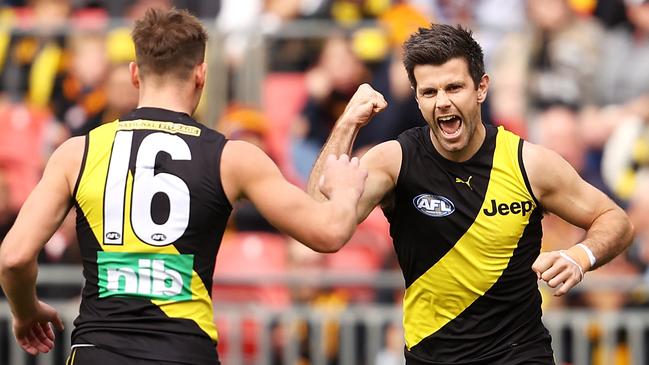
[474,144]
[178,98]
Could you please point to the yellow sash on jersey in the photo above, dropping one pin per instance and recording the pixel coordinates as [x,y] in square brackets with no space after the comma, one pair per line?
[478,258]
[90,195]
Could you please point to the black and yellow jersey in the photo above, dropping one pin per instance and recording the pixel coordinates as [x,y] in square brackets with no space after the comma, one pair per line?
[151,212]
[466,235]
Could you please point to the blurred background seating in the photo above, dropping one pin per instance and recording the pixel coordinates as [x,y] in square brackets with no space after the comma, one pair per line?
[572,75]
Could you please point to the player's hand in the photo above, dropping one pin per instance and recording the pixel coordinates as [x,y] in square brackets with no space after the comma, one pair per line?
[364,105]
[559,270]
[342,175]
[35,334]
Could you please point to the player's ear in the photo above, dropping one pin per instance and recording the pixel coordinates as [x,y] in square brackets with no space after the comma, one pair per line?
[483,86]
[200,74]
[135,74]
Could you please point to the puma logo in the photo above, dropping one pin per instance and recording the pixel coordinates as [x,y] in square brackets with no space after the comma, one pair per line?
[467,182]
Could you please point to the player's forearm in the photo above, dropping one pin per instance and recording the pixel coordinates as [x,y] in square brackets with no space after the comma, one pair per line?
[340,216]
[340,142]
[609,235]
[18,280]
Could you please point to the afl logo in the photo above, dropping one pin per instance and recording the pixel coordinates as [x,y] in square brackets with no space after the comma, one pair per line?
[159,237]
[433,205]
[113,236]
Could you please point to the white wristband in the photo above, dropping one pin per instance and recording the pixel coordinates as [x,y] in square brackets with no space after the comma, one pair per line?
[591,256]
[567,257]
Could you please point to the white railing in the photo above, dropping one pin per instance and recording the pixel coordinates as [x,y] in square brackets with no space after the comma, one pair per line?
[254,333]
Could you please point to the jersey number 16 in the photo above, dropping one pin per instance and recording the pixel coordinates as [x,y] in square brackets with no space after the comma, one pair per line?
[146,184]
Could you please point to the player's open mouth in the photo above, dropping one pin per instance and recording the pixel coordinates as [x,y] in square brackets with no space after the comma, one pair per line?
[450,125]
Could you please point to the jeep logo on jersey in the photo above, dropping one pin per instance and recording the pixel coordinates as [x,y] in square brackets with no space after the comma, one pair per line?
[113,236]
[152,276]
[505,209]
[159,237]
[433,205]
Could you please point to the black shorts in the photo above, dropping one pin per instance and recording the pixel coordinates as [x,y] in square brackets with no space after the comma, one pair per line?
[536,353]
[91,355]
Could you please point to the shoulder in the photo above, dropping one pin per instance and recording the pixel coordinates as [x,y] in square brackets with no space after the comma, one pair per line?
[239,151]
[245,160]
[385,157]
[415,133]
[386,152]
[69,151]
[545,168]
[67,159]
[538,158]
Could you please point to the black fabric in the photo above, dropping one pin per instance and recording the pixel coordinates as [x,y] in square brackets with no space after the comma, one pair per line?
[96,355]
[534,353]
[419,241]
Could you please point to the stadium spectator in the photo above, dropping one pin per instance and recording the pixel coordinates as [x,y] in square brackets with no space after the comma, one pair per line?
[34,60]
[622,82]
[623,75]
[121,95]
[246,124]
[625,157]
[81,100]
[558,128]
[465,203]
[553,62]
[330,83]
[392,351]
[639,214]
[136,9]
[390,79]
[159,241]
[28,135]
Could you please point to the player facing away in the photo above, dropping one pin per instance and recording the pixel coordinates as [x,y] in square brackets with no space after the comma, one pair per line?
[465,202]
[152,192]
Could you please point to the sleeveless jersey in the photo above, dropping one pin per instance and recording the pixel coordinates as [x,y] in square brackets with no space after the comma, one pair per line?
[466,235]
[151,212]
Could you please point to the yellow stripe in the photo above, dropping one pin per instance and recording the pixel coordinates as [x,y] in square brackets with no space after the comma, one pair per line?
[168,127]
[43,73]
[626,184]
[4,45]
[478,258]
[5,34]
[90,196]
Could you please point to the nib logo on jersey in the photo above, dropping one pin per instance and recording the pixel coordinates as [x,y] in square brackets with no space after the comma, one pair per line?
[152,276]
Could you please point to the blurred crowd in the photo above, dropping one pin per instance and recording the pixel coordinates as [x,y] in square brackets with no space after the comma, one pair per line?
[572,75]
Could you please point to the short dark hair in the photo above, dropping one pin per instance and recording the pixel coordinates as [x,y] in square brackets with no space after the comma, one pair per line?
[168,42]
[439,44]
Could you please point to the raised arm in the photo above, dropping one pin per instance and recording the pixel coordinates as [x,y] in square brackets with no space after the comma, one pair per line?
[39,217]
[561,191]
[382,162]
[247,172]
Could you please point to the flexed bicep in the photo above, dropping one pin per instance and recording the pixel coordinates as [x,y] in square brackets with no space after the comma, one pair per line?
[383,163]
